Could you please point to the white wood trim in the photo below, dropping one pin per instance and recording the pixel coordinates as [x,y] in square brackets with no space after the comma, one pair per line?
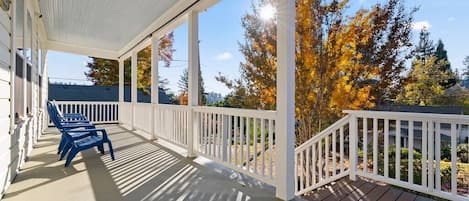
[163,19]
[76,49]
[285,124]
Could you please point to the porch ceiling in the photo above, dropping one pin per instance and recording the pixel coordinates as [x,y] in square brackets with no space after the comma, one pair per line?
[100,28]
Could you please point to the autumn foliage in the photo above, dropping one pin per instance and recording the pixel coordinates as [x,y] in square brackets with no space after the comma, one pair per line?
[342,62]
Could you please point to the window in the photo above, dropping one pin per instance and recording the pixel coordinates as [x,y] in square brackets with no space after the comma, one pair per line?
[19,88]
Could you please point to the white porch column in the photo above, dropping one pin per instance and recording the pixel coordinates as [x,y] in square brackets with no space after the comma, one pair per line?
[25,60]
[134,85]
[121,88]
[194,70]
[285,122]
[12,65]
[154,83]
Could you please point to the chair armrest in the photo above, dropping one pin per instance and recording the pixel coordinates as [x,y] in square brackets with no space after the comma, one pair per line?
[94,130]
[75,121]
[77,125]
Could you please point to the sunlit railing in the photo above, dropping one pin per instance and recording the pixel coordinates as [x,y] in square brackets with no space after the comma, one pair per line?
[96,112]
[241,139]
[416,151]
[323,158]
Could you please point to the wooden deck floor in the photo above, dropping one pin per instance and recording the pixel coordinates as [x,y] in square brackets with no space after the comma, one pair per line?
[363,190]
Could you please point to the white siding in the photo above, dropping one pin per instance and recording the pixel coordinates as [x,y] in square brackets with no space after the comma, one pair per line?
[6,156]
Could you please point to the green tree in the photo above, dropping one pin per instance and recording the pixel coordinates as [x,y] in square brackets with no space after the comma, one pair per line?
[183,84]
[424,80]
[442,56]
[105,72]
[466,67]
[425,48]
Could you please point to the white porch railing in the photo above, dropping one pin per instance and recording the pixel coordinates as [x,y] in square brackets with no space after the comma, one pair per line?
[324,158]
[172,123]
[412,150]
[243,140]
[96,112]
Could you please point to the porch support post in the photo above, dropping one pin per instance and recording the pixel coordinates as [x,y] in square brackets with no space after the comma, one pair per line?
[121,88]
[25,61]
[13,66]
[285,122]
[353,130]
[194,70]
[134,85]
[154,83]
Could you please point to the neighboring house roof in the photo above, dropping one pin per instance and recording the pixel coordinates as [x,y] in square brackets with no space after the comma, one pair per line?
[421,109]
[62,92]
[457,90]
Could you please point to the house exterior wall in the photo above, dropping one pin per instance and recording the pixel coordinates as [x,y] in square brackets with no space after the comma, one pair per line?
[19,135]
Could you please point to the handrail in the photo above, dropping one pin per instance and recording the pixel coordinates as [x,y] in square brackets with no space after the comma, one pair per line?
[267,114]
[408,115]
[324,132]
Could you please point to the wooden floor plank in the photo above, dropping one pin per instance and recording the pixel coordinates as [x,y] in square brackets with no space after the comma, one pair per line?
[376,193]
[420,198]
[338,194]
[363,190]
[391,195]
[360,192]
[406,196]
[326,191]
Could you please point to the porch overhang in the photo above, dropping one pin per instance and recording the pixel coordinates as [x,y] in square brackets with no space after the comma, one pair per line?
[110,29]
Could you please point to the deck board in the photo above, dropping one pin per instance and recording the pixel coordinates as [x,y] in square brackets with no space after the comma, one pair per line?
[363,190]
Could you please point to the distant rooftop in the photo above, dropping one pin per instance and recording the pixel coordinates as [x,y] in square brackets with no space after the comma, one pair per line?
[420,109]
[61,92]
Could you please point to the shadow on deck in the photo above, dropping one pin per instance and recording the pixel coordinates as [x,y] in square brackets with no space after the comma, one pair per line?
[143,170]
[363,190]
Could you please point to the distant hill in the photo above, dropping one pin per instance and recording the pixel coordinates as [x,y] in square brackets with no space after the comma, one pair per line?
[62,92]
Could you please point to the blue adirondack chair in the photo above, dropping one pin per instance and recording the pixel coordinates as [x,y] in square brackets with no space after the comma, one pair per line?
[69,117]
[77,136]
[70,126]
[88,142]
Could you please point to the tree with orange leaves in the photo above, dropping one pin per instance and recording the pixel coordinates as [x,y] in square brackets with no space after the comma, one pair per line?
[342,62]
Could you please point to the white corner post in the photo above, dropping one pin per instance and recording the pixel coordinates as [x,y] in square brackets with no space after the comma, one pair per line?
[25,60]
[285,122]
[194,70]
[353,130]
[121,88]
[12,65]
[154,83]
[133,86]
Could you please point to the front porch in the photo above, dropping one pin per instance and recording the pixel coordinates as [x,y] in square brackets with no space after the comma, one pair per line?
[145,170]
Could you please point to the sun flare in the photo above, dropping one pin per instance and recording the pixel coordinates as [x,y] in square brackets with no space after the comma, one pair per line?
[267,12]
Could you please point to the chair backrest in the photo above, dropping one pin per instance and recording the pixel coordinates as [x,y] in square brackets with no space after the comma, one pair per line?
[58,111]
[53,115]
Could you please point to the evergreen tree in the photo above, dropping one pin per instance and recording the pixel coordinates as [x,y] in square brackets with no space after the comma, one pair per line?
[442,57]
[105,72]
[425,48]
[424,83]
[466,67]
[183,84]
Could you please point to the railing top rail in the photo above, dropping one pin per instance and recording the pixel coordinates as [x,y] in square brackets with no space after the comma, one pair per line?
[87,102]
[169,106]
[265,114]
[326,131]
[408,115]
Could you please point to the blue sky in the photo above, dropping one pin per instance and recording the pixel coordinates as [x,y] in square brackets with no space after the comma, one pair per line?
[220,31]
